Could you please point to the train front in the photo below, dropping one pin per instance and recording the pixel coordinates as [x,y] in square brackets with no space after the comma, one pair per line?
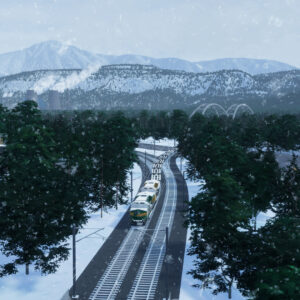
[139,212]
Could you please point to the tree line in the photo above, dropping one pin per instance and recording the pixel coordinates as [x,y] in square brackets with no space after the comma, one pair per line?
[281,131]
[54,171]
[242,178]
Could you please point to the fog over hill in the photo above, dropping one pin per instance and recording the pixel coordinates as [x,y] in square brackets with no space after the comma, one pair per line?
[56,55]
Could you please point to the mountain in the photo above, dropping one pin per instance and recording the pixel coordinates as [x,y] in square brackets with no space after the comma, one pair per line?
[251,66]
[148,87]
[55,55]
[47,55]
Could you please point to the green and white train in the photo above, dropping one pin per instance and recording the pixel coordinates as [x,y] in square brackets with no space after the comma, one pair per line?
[144,202]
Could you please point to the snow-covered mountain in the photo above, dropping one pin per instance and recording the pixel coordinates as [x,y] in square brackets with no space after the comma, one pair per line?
[47,55]
[131,79]
[251,66]
[56,55]
[143,86]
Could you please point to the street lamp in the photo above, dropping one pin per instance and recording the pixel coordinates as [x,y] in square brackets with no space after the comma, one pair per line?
[74,231]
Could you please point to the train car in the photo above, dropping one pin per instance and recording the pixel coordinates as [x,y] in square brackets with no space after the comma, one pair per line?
[144,202]
[148,194]
[140,211]
[152,184]
[142,205]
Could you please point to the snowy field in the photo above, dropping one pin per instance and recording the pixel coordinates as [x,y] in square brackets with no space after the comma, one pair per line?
[149,151]
[161,142]
[53,286]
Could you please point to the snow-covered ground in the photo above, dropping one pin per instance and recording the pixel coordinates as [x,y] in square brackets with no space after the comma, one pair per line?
[161,142]
[149,151]
[53,286]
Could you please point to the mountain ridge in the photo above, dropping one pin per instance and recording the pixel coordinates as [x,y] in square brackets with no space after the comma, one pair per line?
[56,55]
[149,87]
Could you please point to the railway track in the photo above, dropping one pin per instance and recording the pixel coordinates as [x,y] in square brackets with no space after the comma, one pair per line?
[145,283]
[109,284]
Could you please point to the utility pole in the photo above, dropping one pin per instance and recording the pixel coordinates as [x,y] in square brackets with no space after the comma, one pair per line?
[167,268]
[101,191]
[145,159]
[154,147]
[181,164]
[27,269]
[131,189]
[74,296]
[117,194]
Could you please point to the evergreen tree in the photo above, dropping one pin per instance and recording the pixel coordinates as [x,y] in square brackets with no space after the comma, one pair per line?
[40,200]
[218,219]
[280,283]
[178,122]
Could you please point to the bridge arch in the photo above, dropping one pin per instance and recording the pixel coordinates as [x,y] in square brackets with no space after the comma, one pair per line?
[204,107]
[232,110]
[241,106]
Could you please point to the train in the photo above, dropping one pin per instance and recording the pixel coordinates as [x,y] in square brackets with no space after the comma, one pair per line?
[144,202]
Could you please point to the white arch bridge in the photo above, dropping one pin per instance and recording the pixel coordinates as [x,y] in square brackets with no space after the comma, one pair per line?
[220,110]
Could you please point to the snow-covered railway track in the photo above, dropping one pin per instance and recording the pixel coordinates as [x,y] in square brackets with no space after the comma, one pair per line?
[145,283]
[109,284]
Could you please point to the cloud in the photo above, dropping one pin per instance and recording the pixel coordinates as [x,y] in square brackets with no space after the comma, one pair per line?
[274,21]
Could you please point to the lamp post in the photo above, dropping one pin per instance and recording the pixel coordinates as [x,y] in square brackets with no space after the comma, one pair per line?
[131,188]
[181,164]
[74,296]
[167,269]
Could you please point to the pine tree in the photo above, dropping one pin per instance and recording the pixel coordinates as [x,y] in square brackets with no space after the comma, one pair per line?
[216,217]
[40,198]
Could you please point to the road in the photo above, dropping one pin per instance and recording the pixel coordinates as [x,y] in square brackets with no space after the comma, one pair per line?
[132,262]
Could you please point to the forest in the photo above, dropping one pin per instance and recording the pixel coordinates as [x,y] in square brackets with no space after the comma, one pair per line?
[54,170]
[58,167]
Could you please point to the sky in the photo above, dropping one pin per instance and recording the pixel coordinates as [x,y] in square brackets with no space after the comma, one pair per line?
[189,29]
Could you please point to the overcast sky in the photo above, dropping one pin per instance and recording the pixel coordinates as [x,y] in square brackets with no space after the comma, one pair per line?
[189,29]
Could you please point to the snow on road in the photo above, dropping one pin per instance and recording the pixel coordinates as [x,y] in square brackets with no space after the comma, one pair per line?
[53,286]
